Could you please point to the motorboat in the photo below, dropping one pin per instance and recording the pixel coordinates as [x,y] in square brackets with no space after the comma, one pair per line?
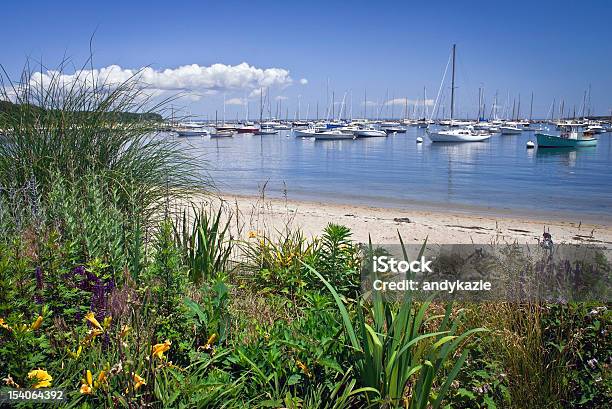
[596,129]
[300,124]
[247,129]
[570,137]
[190,132]
[333,135]
[369,132]
[282,127]
[395,129]
[225,127]
[334,125]
[266,131]
[306,133]
[509,129]
[222,134]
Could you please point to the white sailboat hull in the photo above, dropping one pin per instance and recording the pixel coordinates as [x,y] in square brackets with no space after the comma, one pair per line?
[192,132]
[369,133]
[456,136]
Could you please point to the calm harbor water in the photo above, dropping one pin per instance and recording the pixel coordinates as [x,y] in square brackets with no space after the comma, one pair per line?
[498,176]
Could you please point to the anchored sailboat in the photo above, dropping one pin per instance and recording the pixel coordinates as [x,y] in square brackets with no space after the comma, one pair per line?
[467,134]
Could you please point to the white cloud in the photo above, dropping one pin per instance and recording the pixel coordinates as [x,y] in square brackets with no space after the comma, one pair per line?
[402,101]
[236,101]
[200,80]
[258,92]
[303,81]
[281,98]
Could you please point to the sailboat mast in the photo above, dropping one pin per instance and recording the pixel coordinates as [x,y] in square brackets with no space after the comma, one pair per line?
[531,108]
[333,103]
[452,107]
[260,106]
[479,104]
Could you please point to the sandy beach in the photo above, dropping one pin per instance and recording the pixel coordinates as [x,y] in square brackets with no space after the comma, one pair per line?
[268,215]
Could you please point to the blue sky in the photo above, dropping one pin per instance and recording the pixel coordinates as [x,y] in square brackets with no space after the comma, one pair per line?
[555,49]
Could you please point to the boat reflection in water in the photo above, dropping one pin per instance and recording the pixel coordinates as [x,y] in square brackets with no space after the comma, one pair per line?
[566,156]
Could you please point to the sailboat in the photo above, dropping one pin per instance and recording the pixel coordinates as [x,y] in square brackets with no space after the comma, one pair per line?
[457,134]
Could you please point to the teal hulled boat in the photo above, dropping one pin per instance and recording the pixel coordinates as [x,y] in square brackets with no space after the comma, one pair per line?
[572,138]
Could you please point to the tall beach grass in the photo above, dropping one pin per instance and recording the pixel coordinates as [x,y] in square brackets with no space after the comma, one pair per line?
[85,124]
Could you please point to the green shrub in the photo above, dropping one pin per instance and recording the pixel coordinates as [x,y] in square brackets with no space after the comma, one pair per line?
[337,259]
[396,354]
[204,243]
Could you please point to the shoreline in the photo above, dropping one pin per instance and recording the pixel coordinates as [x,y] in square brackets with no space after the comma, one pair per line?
[402,205]
[447,226]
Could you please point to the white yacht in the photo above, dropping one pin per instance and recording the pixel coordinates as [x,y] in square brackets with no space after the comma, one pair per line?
[333,135]
[369,132]
[511,128]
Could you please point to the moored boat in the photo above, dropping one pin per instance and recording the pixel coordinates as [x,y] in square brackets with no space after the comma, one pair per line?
[369,133]
[333,135]
[394,129]
[225,126]
[458,135]
[567,139]
[306,133]
[247,129]
[189,132]
[266,131]
[510,130]
[456,131]
[222,134]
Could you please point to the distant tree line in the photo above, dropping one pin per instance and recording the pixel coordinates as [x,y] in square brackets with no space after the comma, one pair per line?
[7,107]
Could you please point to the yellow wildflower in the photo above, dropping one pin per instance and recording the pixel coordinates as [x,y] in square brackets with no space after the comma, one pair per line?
[303,368]
[252,234]
[76,354]
[36,324]
[212,339]
[92,334]
[42,377]
[91,318]
[107,321]
[124,330]
[86,389]
[159,349]
[4,325]
[87,386]
[138,381]
[208,348]
[101,377]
